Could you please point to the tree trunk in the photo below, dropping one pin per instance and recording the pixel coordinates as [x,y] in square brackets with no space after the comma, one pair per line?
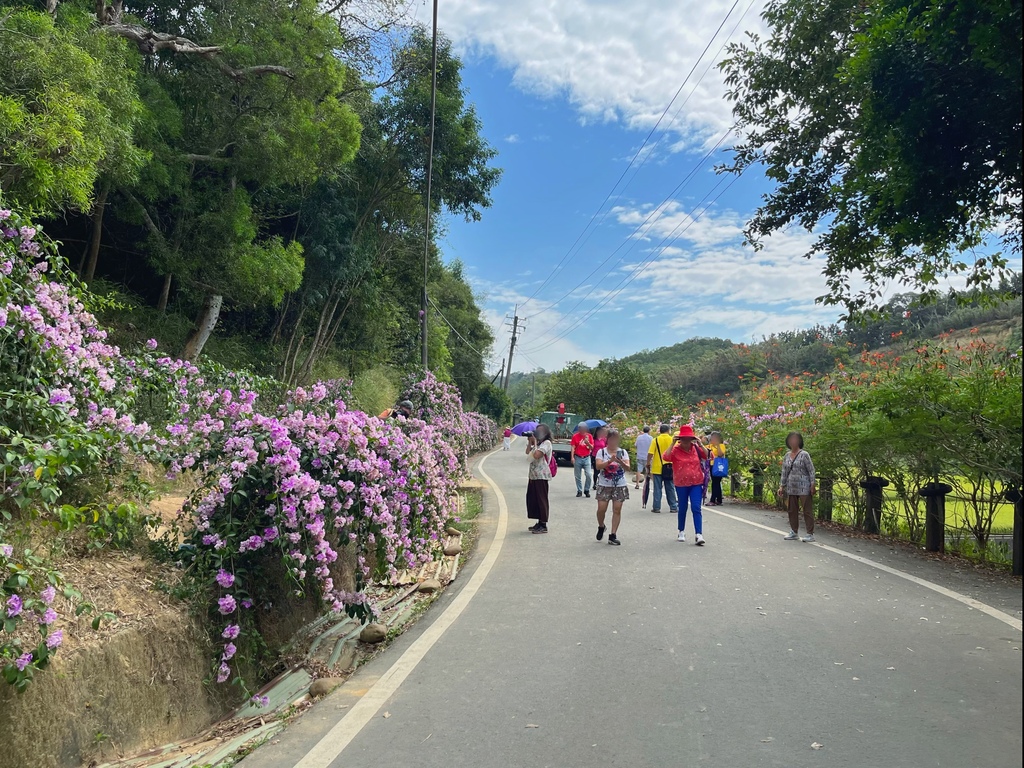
[204,326]
[165,294]
[97,234]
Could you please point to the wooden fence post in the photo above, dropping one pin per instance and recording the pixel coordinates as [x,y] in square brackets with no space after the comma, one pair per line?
[935,515]
[826,486]
[1015,496]
[873,519]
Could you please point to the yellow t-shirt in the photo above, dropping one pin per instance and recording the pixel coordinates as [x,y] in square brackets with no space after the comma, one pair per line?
[661,444]
[717,451]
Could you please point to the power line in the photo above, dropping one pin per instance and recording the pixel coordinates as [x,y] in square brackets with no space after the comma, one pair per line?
[456,330]
[430,176]
[640,268]
[655,214]
[636,155]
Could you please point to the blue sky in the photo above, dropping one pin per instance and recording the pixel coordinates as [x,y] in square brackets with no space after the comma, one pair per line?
[567,93]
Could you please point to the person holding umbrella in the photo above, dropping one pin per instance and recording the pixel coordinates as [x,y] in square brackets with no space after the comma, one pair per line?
[539,449]
[688,457]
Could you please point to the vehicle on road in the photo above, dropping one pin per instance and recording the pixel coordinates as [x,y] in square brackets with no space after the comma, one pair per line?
[562,426]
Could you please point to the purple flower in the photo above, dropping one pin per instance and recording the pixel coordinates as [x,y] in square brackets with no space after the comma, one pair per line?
[48,617]
[6,550]
[223,672]
[230,632]
[227,605]
[151,344]
[260,701]
[23,661]
[229,651]
[14,606]
[48,594]
[55,639]
[225,579]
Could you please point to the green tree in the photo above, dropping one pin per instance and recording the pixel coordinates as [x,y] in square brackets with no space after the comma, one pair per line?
[602,391]
[892,125]
[265,112]
[68,109]
[492,401]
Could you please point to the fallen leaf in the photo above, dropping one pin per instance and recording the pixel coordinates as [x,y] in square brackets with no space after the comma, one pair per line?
[816,745]
[386,715]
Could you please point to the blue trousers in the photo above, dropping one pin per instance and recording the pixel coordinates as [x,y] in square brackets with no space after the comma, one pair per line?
[670,493]
[580,467]
[694,496]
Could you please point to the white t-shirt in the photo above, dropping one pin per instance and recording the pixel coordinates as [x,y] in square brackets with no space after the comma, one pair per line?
[643,446]
[620,477]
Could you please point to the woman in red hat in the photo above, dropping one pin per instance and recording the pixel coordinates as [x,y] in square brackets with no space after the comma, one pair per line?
[686,455]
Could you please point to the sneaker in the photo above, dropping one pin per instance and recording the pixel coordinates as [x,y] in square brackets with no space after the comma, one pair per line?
[613,539]
[656,511]
[587,494]
[579,494]
[681,536]
[791,536]
[534,527]
[600,532]
[808,537]
[540,529]
[699,540]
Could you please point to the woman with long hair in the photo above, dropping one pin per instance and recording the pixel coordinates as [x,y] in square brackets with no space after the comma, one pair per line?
[538,448]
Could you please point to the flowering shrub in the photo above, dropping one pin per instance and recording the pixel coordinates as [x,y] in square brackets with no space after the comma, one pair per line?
[286,481]
[301,486]
[438,403]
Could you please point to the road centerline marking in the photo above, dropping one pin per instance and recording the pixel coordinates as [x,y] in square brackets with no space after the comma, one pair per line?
[977,605]
[334,742]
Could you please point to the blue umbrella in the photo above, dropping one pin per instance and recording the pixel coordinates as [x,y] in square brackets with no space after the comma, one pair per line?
[595,423]
[526,426]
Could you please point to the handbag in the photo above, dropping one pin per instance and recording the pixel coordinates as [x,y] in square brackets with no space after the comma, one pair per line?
[553,465]
[720,467]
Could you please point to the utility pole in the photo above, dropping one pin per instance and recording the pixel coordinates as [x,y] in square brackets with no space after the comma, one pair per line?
[500,375]
[430,176]
[533,394]
[512,346]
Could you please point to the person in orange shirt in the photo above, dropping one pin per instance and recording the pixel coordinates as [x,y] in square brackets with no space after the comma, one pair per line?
[686,456]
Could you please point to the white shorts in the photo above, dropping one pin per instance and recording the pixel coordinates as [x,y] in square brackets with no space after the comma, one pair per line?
[641,465]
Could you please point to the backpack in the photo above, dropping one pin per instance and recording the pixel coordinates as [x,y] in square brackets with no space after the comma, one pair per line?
[720,467]
[553,465]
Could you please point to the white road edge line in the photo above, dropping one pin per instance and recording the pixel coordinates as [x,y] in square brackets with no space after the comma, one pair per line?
[977,605]
[334,742]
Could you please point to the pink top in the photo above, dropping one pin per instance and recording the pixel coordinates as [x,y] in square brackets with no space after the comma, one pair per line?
[508,432]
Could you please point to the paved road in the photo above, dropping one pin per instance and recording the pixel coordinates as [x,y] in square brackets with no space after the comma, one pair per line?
[741,653]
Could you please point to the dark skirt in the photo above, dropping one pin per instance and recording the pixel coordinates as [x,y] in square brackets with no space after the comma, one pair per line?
[537,500]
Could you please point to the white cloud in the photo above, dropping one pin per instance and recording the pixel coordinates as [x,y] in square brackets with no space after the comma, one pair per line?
[611,60]
[513,138]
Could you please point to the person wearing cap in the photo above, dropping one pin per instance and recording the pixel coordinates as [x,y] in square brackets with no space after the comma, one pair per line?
[687,457]
[404,408]
[581,448]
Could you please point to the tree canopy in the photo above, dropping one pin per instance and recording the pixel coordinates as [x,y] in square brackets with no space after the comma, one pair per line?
[892,128]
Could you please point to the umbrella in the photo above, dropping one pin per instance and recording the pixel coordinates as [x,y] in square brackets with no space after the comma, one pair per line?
[647,489]
[595,423]
[526,426]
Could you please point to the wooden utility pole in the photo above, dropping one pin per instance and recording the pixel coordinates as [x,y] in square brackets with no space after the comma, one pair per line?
[512,346]
[430,177]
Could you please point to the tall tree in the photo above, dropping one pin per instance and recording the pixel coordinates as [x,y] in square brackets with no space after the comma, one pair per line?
[892,125]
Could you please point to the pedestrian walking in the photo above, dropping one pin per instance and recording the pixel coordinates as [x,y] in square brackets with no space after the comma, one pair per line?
[581,449]
[798,485]
[719,468]
[661,471]
[539,449]
[643,447]
[687,457]
[612,486]
[506,439]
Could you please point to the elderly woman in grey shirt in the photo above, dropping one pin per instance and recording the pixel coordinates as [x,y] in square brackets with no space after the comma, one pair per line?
[798,485]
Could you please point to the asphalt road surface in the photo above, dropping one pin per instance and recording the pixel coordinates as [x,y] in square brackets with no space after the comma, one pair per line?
[748,651]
